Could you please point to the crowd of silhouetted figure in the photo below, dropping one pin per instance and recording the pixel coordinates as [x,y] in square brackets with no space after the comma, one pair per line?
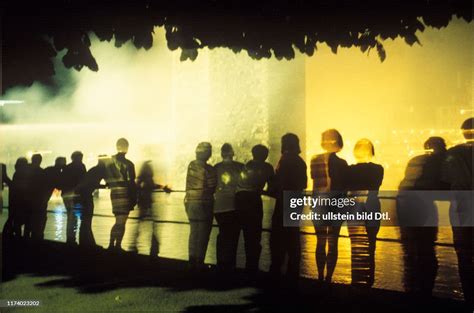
[231,193]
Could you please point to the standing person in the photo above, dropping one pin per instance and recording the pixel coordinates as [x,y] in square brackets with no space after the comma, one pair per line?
[120,176]
[457,172]
[201,183]
[228,172]
[38,198]
[5,181]
[329,173]
[17,199]
[71,176]
[146,185]
[365,179]
[418,217]
[248,201]
[85,189]
[290,175]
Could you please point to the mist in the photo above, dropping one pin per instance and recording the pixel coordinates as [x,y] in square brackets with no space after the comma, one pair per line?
[164,107]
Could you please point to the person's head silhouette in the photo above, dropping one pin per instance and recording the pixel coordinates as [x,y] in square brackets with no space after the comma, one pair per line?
[36,159]
[76,157]
[364,150]
[122,145]
[468,129]
[290,143]
[203,151]
[227,152]
[146,170]
[331,141]
[435,145]
[60,162]
[259,153]
[21,163]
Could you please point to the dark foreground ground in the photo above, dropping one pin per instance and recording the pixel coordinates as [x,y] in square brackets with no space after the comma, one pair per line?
[71,279]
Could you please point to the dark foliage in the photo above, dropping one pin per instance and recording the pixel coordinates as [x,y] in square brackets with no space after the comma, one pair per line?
[34,32]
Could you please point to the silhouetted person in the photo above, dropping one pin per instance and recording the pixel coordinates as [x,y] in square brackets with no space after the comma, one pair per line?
[120,176]
[53,176]
[18,202]
[201,183]
[248,200]
[364,181]
[329,174]
[417,213]
[84,191]
[457,172]
[146,185]
[39,199]
[228,172]
[290,175]
[5,181]
[71,176]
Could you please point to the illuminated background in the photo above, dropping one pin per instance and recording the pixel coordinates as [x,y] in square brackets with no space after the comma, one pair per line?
[165,107]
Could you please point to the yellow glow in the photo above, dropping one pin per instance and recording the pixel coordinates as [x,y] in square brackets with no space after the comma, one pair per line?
[164,107]
[226,178]
[29,154]
[417,92]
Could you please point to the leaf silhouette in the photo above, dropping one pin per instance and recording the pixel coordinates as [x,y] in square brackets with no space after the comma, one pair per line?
[260,28]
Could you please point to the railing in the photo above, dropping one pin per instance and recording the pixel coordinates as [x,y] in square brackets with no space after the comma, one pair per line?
[265,230]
